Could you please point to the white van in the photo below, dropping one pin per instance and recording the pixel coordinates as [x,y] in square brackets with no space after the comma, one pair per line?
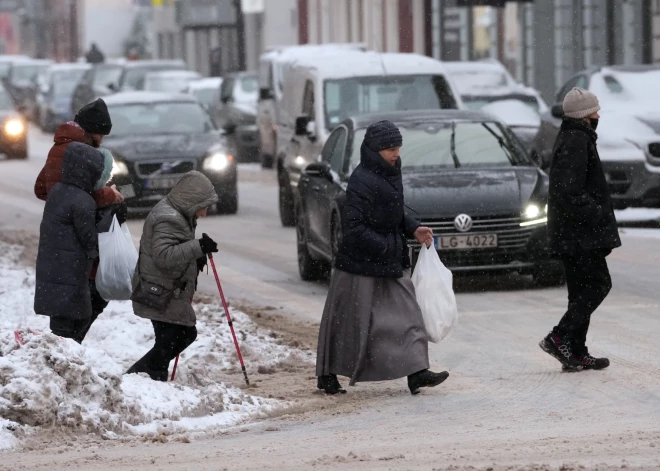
[273,67]
[320,93]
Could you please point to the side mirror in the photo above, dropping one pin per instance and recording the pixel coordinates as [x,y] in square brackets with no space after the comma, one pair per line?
[557,110]
[319,169]
[302,125]
[266,94]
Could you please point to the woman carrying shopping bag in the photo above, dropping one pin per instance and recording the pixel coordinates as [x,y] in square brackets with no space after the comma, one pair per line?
[166,276]
[372,327]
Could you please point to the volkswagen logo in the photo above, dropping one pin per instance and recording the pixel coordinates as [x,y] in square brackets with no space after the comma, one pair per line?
[463,223]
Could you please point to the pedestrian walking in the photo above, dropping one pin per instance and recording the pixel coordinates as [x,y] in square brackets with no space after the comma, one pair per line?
[166,277]
[372,327]
[68,243]
[582,229]
[91,124]
[95,56]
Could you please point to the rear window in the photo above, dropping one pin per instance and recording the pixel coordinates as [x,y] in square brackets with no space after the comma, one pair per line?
[134,78]
[362,95]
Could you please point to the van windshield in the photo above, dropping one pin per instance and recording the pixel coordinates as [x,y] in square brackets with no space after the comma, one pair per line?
[362,95]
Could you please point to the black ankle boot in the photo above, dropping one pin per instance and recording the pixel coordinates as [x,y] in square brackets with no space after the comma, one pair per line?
[425,379]
[330,385]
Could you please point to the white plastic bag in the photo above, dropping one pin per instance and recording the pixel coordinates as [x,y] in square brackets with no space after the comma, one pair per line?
[435,294]
[118,258]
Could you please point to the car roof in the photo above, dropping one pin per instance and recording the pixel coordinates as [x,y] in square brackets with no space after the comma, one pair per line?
[289,53]
[149,63]
[402,117]
[241,75]
[70,66]
[13,58]
[173,73]
[208,82]
[369,63]
[131,98]
[30,62]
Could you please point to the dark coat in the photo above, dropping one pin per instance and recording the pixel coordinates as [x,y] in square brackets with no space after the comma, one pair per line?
[68,242]
[580,214]
[375,227]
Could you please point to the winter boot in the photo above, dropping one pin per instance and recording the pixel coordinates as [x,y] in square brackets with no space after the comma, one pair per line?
[330,385]
[425,379]
[589,362]
[561,350]
[141,367]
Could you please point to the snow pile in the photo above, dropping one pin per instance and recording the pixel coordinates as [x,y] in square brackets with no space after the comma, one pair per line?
[50,381]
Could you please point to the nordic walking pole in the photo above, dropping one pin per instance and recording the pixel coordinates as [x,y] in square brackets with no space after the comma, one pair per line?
[176,363]
[229,321]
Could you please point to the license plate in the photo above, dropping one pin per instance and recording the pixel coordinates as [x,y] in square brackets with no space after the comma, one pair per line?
[466,242]
[161,183]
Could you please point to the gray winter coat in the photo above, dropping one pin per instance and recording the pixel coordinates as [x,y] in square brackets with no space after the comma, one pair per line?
[168,247]
[68,242]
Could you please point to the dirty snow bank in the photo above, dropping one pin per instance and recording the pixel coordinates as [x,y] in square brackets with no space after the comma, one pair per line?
[49,381]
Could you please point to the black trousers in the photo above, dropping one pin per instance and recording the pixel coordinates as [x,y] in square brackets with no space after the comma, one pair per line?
[77,329]
[588,281]
[171,340]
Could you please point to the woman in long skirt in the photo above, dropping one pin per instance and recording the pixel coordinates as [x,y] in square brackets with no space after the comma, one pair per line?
[372,327]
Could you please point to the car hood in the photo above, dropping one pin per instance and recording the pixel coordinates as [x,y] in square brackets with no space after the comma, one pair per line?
[476,192]
[192,146]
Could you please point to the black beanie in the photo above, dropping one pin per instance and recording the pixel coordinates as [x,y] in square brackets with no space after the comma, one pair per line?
[382,135]
[94,118]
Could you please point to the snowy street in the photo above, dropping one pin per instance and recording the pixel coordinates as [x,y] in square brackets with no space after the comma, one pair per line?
[506,404]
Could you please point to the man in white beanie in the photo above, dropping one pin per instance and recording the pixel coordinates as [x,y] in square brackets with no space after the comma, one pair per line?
[581,227]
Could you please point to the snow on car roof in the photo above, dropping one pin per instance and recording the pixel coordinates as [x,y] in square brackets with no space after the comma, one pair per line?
[173,74]
[627,88]
[212,82]
[130,98]
[69,66]
[366,64]
[513,113]
[289,53]
[485,78]
[401,117]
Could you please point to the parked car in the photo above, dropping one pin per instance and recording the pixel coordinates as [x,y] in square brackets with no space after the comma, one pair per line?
[6,61]
[13,129]
[169,81]
[488,86]
[120,76]
[238,112]
[55,92]
[320,93]
[207,92]
[22,82]
[465,176]
[628,131]
[273,67]
[156,138]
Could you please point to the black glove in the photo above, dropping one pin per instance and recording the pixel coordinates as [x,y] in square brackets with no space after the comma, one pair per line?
[201,263]
[121,211]
[207,244]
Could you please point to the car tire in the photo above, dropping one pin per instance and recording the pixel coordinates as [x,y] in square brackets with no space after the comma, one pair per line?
[227,204]
[309,269]
[549,276]
[287,210]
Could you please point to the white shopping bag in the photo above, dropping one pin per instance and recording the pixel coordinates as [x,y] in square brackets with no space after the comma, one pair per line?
[118,258]
[435,294]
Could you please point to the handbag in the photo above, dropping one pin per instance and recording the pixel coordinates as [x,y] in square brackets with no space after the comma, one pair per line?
[154,295]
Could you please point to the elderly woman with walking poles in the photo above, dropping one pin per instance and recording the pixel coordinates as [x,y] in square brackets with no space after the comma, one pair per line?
[372,327]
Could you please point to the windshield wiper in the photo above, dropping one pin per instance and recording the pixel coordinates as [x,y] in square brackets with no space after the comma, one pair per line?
[452,144]
[503,144]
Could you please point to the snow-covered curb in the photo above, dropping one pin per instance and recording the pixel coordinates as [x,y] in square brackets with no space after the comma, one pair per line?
[49,381]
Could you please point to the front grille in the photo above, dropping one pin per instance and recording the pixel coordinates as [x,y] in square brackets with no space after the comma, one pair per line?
[654,149]
[156,169]
[618,182]
[510,235]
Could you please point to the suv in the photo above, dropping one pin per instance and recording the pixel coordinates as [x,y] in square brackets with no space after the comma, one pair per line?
[320,93]
[629,130]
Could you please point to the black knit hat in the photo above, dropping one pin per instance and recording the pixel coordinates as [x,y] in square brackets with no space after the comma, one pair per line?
[94,118]
[382,135]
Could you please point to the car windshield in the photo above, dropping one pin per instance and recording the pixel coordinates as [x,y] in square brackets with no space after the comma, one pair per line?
[159,118]
[136,75]
[475,102]
[23,74]
[104,76]
[474,144]
[65,82]
[207,95]
[247,89]
[361,95]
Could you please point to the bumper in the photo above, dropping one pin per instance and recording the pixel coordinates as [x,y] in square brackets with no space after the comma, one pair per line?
[632,183]
[13,144]
[149,191]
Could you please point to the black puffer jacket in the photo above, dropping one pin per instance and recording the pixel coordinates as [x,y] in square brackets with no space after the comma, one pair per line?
[580,214]
[374,224]
[68,242]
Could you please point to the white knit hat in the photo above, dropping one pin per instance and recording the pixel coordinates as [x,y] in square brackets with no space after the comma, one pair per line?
[580,103]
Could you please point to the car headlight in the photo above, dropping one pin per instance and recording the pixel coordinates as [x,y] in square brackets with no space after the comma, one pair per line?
[14,127]
[217,162]
[532,211]
[533,215]
[119,168]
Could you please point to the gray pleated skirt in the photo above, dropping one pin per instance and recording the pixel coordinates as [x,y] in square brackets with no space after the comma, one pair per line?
[372,329]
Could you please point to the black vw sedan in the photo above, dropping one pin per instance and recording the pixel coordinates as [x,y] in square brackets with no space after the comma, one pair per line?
[156,138]
[464,175]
